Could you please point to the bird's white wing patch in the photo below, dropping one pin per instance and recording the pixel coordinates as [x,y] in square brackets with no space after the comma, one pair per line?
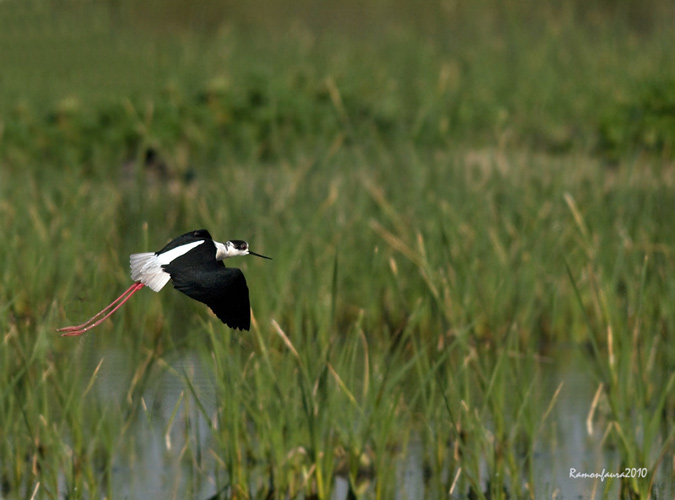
[168,257]
[147,267]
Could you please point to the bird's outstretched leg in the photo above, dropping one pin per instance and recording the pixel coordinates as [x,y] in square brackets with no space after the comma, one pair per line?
[73,331]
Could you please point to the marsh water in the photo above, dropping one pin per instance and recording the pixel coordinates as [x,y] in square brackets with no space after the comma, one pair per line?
[158,469]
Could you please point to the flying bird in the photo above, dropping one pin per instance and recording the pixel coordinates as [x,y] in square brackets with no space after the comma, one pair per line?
[193,262]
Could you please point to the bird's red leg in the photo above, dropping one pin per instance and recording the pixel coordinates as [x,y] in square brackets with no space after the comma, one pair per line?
[72,331]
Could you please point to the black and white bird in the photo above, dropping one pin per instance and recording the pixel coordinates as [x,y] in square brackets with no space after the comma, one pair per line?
[193,262]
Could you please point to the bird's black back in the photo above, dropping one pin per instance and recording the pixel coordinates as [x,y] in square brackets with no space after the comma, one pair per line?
[196,235]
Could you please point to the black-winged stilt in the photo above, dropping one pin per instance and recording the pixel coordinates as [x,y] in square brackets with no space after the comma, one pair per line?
[194,263]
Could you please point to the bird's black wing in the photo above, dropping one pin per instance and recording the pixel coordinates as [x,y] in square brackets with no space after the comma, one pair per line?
[223,289]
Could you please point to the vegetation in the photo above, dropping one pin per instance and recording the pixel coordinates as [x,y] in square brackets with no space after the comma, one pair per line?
[468,206]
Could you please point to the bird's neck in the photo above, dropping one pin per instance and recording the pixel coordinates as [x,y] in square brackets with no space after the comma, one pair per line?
[222,251]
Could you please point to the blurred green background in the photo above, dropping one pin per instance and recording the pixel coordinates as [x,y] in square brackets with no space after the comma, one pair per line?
[551,76]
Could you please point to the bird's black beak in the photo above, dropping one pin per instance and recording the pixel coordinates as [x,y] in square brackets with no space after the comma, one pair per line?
[258,255]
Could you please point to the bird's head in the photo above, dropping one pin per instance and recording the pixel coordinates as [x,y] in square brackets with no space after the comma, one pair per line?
[234,248]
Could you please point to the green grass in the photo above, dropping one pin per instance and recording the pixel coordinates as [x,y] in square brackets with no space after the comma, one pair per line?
[454,204]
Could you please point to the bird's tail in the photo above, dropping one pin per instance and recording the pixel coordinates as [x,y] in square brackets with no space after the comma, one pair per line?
[146,268]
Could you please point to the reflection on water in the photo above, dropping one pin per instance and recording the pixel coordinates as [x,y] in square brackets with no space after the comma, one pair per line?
[574,448]
[156,442]
[158,469]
